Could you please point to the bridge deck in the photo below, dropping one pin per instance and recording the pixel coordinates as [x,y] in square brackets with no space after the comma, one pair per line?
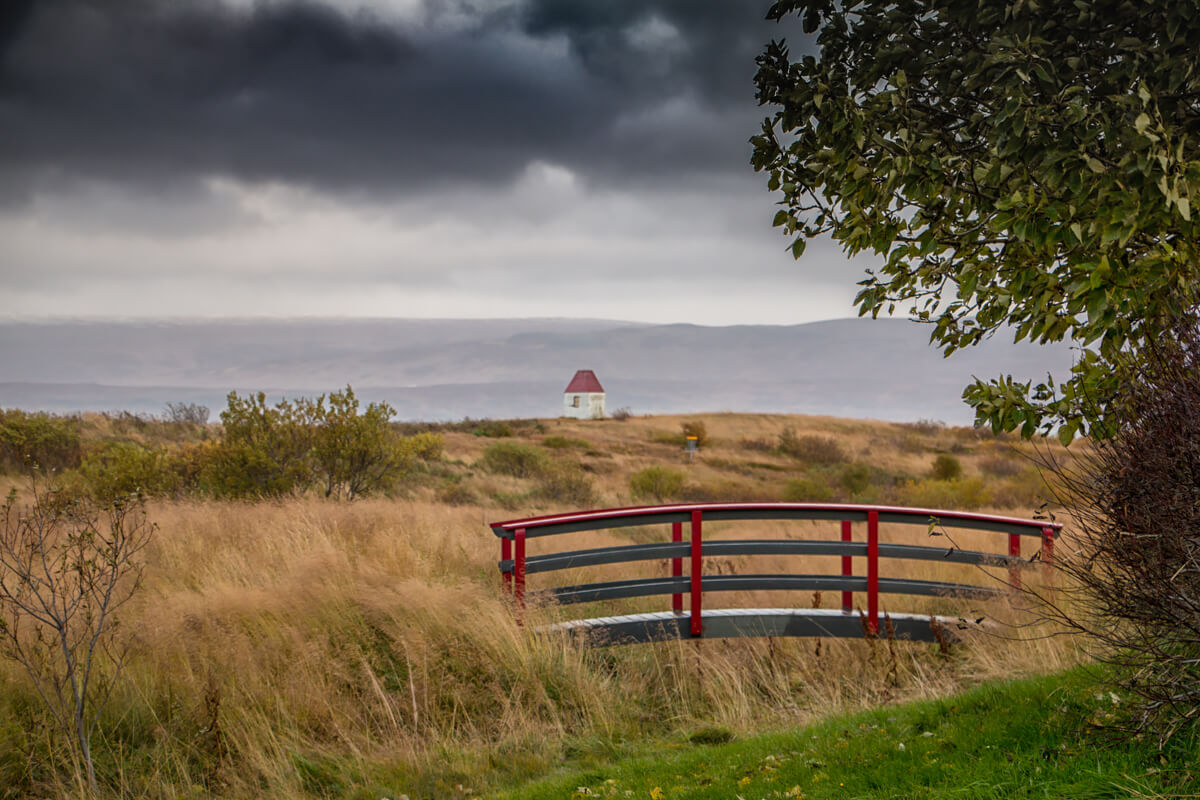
[735,622]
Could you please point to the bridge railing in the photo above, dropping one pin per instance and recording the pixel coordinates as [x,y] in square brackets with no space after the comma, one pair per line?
[516,564]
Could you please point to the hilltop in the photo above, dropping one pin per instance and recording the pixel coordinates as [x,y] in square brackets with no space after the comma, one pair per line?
[450,369]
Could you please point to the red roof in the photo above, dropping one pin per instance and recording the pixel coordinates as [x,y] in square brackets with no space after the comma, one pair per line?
[584,382]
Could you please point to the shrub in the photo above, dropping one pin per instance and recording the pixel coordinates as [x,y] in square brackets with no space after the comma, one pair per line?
[354,453]
[565,482]
[119,469]
[758,445]
[265,451]
[621,414]
[187,413]
[38,439]
[953,494]
[807,490]
[513,458]
[946,467]
[456,493]
[698,429]
[855,478]
[492,429]
[425,446]
[810,449]
[1136,502]
[564,442]
[656,483]
[67,566]
[189,463]
[926,427]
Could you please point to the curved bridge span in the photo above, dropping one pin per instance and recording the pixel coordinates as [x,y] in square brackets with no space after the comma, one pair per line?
[694,620]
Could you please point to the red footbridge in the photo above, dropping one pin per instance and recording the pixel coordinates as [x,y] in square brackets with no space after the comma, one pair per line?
[692,619]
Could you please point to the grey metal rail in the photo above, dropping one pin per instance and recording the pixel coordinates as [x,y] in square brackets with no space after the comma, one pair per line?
[645,587]
[753,547]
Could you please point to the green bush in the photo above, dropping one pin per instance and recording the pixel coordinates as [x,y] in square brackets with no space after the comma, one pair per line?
[823,450]
[265,452]
[38,439]
[656,483]
[425,446]
[330,443]
[514,458]
[946,467]
[855,478]
[962,494]
[565,482]
[119,469]
[807,490]
[492,429]
[354,453]
[564,442]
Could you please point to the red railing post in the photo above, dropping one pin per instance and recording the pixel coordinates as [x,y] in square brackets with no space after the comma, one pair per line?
[506,555]
[847,568]
[697,572]
[1014,551]
[873,570]
[519,575]
[677,567]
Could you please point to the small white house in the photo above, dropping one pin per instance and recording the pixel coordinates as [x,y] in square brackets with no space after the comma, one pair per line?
[584,396]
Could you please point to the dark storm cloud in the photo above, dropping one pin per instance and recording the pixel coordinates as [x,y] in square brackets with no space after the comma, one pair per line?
[148,92]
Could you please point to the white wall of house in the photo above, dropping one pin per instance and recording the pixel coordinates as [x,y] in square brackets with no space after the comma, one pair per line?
[583,405]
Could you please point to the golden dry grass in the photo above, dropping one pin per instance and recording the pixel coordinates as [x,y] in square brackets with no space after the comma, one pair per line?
[287,648]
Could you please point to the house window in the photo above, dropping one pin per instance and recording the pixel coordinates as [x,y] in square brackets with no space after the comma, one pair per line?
[575,401]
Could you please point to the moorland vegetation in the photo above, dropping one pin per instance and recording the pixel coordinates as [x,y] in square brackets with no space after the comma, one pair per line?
[289,642]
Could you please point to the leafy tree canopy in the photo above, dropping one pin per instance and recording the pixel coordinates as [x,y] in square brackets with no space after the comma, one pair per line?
[1027,164]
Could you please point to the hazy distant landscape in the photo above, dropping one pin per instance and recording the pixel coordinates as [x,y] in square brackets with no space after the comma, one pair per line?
[450,369]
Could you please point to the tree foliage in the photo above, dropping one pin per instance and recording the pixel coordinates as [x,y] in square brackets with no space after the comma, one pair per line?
[265,451]
[1027,164]
[38,439]
[355,452]
[329,443]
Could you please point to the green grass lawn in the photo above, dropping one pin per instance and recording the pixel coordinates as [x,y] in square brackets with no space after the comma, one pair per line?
[1025,739]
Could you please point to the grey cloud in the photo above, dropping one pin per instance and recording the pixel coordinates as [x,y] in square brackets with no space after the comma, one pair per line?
[145,91]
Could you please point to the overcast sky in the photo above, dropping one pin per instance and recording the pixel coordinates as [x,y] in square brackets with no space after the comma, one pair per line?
[395,158]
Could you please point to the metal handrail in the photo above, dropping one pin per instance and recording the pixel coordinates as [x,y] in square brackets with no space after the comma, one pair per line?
[515,565]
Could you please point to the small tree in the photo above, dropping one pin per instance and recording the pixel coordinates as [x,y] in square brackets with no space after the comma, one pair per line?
[265,450]
[355,453]
[67,565]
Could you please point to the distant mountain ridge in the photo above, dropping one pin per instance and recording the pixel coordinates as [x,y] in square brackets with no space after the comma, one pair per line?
[450,369]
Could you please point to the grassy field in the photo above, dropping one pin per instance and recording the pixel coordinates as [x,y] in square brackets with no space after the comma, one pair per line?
[1035,738]
[313,648]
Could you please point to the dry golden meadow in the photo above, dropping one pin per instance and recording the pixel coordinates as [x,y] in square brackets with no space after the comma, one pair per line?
[308,647]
